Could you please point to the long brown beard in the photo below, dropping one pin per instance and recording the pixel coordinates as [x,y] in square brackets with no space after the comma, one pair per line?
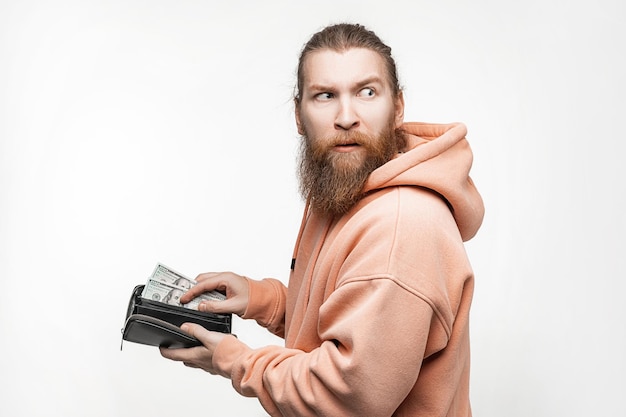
[334,181]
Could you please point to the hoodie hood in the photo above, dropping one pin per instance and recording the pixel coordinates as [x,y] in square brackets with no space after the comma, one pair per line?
[439,158]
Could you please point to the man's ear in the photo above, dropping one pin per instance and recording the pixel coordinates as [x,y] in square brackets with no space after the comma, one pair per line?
[399,112]
[297,114]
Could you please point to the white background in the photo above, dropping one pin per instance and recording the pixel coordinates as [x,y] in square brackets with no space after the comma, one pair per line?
[137,132]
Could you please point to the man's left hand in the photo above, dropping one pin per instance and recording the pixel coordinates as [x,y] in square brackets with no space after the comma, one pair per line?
[199,356]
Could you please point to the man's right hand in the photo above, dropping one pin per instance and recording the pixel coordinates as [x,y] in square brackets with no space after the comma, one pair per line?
[235,286]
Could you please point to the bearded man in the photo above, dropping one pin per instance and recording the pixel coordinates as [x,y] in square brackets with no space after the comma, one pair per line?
[375,316]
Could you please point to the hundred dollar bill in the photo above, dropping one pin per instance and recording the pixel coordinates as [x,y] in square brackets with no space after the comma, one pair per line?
[169,276]
[167,285]
[170,294]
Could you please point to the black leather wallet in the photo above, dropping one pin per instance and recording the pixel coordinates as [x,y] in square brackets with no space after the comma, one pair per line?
[155,323]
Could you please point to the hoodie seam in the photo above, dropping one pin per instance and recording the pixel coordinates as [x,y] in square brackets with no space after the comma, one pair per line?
[405,287]
[393,246]
[277,301]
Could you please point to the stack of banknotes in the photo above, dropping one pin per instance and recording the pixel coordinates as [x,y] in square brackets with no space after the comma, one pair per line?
[167,286]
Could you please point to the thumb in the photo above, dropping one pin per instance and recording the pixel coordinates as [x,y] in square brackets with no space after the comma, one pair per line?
[206,337]
[214,306]
[192,329]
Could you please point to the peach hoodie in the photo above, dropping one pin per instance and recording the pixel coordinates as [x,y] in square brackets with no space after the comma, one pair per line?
[375,317]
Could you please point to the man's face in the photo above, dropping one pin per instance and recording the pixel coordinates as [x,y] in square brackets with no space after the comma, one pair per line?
[346,92]
[348,117]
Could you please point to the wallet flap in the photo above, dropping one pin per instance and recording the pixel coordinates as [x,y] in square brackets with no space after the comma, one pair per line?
[151,331]
[177,316]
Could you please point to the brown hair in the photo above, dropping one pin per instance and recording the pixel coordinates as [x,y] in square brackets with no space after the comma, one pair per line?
[344,36]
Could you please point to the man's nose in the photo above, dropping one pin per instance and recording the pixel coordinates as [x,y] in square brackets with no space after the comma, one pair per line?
[347,117]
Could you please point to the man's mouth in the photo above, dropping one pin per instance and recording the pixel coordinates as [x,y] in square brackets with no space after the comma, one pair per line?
[346,147]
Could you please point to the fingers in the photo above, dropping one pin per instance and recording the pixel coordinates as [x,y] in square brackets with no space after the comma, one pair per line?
[206,282]
[207,275]
[211,306]
[199,356]
[235,286]
[185,355]
[191,357]
[193,329]
[232,305]
[180,355]
[208,338]
[190,365]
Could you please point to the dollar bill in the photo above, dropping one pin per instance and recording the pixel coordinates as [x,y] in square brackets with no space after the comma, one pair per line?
[167,286]
[169,276]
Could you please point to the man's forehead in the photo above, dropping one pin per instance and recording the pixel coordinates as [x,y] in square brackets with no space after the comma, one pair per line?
[329,66]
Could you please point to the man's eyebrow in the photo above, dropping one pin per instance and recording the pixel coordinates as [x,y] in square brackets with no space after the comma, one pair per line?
[318,87]
[374,79]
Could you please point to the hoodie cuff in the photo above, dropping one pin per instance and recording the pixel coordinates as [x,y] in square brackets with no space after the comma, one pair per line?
[264,303]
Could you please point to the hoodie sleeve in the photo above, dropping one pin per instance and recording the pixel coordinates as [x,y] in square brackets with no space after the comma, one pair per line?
[393,311]
[351,373]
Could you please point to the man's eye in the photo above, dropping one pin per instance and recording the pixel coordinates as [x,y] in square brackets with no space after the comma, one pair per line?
[324,96]
[367,92]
